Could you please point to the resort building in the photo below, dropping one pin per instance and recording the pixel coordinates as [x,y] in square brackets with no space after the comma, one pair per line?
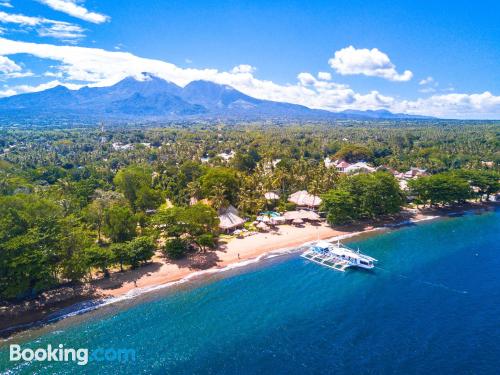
[359,167]
[117,146]
[227,156]
[415,172]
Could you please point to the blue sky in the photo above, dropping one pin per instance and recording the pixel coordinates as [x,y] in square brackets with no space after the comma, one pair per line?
[378,54]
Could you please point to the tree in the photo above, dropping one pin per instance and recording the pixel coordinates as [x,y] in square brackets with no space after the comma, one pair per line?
[192,223]
[340,207]
[119,223]
[95,211]
[135,184]
[363,196]
[121,254]
[99,257]
[486,182]
[246,162]
[36,244]
[441,188]
[353,153]
[220,179]
[175,248]
[140,249]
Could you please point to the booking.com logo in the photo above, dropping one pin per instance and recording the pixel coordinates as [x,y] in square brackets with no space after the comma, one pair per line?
[81,356]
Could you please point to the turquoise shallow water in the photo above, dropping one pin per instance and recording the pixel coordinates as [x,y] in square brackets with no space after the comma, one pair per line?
[432,308]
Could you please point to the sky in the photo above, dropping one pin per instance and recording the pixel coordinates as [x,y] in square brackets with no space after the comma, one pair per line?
[439,58]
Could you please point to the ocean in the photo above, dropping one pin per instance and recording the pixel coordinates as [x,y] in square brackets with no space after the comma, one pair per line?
[432,306]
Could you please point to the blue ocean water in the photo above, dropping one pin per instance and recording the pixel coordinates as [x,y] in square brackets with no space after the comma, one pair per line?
[433,307]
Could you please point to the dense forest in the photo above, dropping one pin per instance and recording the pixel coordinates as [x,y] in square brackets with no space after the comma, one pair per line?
[78,202]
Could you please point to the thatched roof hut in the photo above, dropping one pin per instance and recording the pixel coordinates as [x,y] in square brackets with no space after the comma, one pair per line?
[229,219]
[303,199]
[301,214]
[262,227]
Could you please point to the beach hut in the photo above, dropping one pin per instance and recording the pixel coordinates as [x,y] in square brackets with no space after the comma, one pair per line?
[278,220]
[292,215]
[229,219]
[309,215]
[303,199]
[262,227]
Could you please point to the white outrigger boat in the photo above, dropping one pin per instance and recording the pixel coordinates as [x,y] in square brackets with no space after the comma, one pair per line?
[337,256]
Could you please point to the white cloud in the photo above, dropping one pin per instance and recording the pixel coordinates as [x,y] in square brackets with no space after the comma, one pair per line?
[6,4]
[45,27]
[324,76]
[99,67]
[427,80]
[8,66]
[485,105]
[426,90]
[24,89]
[63,31]
[243,69]
[20,19]
[73,9]
[10,69]
[306,79]
[373,63]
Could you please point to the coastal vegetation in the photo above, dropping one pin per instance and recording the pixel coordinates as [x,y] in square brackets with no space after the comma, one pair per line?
[78,203]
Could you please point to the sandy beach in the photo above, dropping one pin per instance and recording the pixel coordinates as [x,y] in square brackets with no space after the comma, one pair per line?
[232,251]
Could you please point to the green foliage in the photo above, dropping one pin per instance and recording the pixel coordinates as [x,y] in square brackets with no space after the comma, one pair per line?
[59,189]
[353,153]
[340,207]
[175,248]
[192,223]
[220,184]
[135,184]
[140,250]
[442,188]
[37,245]
[99,257]
[246,162]
[362,196]
[119,223]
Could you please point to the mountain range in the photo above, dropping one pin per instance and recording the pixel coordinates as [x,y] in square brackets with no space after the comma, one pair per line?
[153,97]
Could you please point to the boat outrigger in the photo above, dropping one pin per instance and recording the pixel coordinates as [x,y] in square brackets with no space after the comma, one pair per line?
[337,256]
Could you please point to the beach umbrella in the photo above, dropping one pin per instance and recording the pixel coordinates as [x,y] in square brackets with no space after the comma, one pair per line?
[263,227]
[265,219]
[297,221]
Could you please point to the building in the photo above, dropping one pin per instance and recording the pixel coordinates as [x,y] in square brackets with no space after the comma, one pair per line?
[229,219]
[303,199]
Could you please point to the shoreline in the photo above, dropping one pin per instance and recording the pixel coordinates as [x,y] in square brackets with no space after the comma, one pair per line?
[233,253]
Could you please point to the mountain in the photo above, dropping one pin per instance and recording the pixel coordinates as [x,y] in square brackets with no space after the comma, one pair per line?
[153,97]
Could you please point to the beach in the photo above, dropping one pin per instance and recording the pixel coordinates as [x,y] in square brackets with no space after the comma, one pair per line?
[236,250]
[434,284]
[231,252]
